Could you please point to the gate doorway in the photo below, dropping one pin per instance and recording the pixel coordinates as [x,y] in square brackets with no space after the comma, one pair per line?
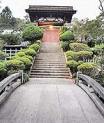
[51,34]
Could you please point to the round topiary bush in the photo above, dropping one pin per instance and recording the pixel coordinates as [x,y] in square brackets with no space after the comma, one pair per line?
[72,54]
[20,54]
[32,33]
[29,57]
[14,65]
[35,47]
[3,70]
[30,52]
[27,62]
[79,47]
[69,58]
[83,55]
[67,36]
[88,68]
[72,65]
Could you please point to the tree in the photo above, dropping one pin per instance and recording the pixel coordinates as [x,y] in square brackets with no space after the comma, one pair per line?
[78,27]
[7,19]
[101,6]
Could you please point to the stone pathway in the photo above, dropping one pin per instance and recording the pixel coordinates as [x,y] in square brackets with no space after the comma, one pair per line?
[50,62]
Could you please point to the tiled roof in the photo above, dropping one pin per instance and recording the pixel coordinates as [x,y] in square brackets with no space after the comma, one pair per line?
[44,7]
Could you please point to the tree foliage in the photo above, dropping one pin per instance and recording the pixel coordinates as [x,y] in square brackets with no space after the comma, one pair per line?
[6,18]
[89,30]
[101,6]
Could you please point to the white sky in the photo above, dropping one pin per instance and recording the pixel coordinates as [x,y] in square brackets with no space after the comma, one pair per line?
[85,8]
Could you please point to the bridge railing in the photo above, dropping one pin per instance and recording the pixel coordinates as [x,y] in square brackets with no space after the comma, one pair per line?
[9,84]
[88,81]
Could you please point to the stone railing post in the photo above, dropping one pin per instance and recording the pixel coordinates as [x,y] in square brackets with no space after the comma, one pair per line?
[22,77]
[77,77]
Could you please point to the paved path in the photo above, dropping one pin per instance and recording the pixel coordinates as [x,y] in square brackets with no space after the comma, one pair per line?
[50,62]
[49,100]
[49,103]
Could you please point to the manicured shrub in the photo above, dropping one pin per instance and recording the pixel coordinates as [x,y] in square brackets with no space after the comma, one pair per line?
[2,55]
[20,54]
[3,70]
[72,65]
[80,62]
[30,52]
[100,78]
[96,51]
[79,47]
[65,45]
[88,68]
[26,56]
[67,36]
[14,65]
[72,54]
[11,39]
[69,58]
[82,55]
[35,47]
[27,62]
[29,57]
[32,33]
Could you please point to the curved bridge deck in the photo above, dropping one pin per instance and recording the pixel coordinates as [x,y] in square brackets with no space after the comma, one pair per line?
[49,103]
[52,99]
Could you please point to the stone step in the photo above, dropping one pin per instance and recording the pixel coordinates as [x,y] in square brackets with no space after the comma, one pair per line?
[50,60]
[44,62]
[49,71]
[50,63]
[51,74]
[58,69]
[41,76]
[48,67]
[44,65]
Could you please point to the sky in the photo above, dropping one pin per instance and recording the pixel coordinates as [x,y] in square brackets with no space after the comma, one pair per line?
[85,8]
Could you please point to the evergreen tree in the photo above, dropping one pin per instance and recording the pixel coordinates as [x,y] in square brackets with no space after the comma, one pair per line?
[6,18]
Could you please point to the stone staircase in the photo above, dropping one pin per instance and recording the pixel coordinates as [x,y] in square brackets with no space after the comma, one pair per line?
[50,62]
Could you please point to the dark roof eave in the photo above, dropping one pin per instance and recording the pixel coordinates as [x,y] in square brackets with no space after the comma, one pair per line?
[68,11]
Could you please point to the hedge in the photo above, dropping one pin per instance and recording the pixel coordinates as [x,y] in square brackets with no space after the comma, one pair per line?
[88,68]
[72,65]
[84,55]
[26,61]
[14,65]
[35,47]
[30,52]
[79,47]
[81,55]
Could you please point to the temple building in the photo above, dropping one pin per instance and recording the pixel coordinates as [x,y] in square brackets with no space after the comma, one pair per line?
[40,13]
